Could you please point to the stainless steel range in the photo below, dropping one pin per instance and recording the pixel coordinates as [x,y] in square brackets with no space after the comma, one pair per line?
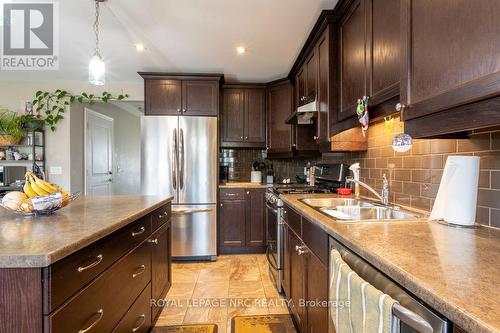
[329,178]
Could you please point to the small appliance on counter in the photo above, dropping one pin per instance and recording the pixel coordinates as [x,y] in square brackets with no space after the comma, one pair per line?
[256,174]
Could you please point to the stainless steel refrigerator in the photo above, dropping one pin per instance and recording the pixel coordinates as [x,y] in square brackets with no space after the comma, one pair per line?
[179,158]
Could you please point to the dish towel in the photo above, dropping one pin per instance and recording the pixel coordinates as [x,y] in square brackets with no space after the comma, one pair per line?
[357,306]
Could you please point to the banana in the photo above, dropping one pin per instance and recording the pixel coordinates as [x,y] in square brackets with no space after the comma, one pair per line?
[28,190]
[39,191]
[46,186]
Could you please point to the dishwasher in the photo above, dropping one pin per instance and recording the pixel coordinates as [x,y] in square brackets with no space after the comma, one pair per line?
[410,315]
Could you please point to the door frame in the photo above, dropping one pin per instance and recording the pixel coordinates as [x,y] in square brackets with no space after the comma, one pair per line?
[86,112]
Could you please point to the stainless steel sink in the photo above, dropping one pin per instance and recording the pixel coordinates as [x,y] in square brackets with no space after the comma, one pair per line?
[349,210]
[335,202]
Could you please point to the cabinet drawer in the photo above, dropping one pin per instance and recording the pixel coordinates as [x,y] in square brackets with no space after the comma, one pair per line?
[232,194]
[66,277]
[315,239]
[293,220]
[138,318]
[161,216]
[104,302]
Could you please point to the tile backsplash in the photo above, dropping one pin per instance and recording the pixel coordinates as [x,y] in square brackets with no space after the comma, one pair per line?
[414,175]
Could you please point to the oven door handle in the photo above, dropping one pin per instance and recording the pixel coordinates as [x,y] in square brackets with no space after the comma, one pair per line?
[275,211]
[269,260]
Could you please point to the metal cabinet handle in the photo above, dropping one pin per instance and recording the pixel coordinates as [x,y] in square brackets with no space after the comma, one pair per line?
[183,110]
[139,271]
[178,110]
[315,137]
[95,263]
[248,192]
[241,137]
[300,249]
[246,137]
[231,194]
[164,214]
[143,320]
[221,205]
[400,107]
[153,241]
[100,312]
[140,232]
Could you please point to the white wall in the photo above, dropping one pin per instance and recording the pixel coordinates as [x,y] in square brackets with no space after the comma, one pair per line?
[60,150]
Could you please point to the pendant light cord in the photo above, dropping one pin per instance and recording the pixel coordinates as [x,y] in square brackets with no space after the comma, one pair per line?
[96,29]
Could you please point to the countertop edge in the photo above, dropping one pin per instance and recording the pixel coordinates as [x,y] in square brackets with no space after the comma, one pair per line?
[45,260]
[452,312]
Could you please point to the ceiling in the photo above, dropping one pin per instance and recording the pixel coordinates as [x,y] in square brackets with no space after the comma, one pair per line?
[183,36]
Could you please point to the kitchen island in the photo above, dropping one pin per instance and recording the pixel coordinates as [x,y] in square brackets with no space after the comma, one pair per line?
[96,263]
[455,271]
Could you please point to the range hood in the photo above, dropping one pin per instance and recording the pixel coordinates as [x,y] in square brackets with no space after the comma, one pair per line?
[304,114]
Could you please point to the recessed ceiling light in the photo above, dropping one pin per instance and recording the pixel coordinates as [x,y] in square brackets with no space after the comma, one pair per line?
[139,47]
[241,49]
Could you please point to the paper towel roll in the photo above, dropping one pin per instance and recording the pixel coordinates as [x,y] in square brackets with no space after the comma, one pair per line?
[457,195]
[256,177]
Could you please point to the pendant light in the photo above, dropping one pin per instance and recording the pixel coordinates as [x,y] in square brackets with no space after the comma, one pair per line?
[97,67]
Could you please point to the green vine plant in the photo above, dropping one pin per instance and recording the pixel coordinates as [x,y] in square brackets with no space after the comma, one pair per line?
[51,106]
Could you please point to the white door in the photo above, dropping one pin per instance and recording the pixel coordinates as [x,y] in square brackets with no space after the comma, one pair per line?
[98,154]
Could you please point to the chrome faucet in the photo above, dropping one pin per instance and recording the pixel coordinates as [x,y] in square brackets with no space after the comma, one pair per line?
[384,198]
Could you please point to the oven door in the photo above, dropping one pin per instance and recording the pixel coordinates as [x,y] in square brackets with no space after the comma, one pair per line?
[274,245]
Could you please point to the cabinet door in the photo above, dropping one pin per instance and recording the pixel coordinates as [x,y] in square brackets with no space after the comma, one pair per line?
[255,116]
[256,217]
[450,55]
[300,87]
[232,223]
[163,97]
[317,290]
[279,101]
[384,44]
[352,59]
[233,115]
[323,51]
[161,274]
[297,280]
[311,76]
[200,98]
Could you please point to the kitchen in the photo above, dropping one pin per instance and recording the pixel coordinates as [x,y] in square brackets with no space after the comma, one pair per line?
[278,174]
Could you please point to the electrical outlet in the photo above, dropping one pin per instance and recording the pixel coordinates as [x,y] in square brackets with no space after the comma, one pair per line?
[55,170]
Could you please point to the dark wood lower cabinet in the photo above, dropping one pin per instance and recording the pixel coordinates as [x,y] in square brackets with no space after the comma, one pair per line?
[242,220]
[161,274]
[116,296]
[305,277]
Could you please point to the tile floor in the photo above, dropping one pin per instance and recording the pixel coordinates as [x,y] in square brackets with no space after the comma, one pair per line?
[214,292]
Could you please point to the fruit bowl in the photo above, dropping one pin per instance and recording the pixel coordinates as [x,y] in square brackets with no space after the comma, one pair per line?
[39,197]
[39,205]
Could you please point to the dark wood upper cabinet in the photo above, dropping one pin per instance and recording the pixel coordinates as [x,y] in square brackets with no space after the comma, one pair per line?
[325,95]
[167,94]
[233,115]
[352,59]
[244,116]
[255,116]
[383,49]
[311,68]
[300,87]
[450,65]
[163,97]
[279,102]
[200,98]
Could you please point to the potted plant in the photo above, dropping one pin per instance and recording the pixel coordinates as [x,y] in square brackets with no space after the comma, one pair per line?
[11,128]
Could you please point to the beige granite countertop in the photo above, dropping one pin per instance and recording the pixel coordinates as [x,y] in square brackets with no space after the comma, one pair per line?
[244,185]
[42,240]
[456,271]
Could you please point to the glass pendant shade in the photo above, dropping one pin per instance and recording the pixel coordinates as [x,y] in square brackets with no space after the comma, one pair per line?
[97,71]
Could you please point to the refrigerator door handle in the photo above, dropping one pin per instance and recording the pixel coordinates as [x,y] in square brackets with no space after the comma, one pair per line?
[181,153]
[174,160]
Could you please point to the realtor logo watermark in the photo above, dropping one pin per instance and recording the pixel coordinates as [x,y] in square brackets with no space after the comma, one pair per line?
[30,36]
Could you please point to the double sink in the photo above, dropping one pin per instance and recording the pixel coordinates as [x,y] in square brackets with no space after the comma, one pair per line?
[352,210]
